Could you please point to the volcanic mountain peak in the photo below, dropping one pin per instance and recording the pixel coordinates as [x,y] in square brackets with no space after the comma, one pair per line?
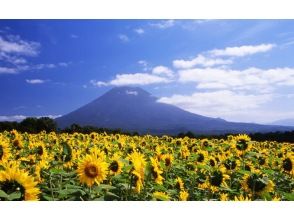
[134,109]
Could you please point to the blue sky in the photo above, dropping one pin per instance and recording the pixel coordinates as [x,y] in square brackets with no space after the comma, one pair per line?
[239,70]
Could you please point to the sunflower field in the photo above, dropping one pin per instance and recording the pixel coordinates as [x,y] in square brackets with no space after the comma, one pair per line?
[103,167]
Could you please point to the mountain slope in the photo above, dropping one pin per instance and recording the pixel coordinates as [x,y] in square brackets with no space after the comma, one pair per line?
[134,109]
[284,122]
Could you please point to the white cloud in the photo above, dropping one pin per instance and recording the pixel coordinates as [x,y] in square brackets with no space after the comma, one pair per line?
[128,92]
[98,83]
[162,70]
[123,38]
[22,117]
[137,79]
[64,64]
[35,81]
[144,64]
[132,79]
[139,31]
[252,79]
[242,50]
[163,24]
[14,44]
[74,36]
[201,61]
[6,70]
[14,52]
[222,103]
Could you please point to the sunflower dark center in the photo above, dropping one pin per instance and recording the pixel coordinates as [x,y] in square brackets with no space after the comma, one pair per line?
[91,171]
[1,152]
[287,164]
[255,184]
[114,166]
[216,178]
[242,145]
[40,150]
[167,161]
[261,160]
[205,143]
[230,164]
[200,158]
[212,162]
[14,187]
[247,167]
[154,173]
[16,143]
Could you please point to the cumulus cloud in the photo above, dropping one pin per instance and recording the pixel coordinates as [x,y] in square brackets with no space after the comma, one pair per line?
[132,79]
[247,79]
[15,45]
[129,92]
[7,70]
[137,79]
[162,70]
[35,81]
[200,60]
[98,83]
[163,24]
[144,64]
[14,53]
[217,103]
[242,50]
[139,31]
[123,38]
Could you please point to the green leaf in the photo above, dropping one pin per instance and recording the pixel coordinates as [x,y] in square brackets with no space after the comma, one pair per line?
[107,187]
[48,198]
[99,199]
[3,194]
[244,172]
[289,196]
[14,195]
[110,196]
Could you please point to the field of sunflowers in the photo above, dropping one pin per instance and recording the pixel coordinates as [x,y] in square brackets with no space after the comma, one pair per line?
[97,167]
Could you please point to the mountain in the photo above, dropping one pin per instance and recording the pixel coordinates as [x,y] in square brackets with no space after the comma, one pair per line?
[134,109]
[284,122]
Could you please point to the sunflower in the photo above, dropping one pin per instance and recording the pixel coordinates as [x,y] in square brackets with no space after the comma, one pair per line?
[231,164]
[201,156]
[13,180]
[168,159]
[242,198]
[183,195]
[156,171]
[212,161]
[257,183]
[217,179]
[242,143]
[115,165]
[185,153]
[161,196]
[92,170]
[4,152]
[179,183]
[287,163]
[204,143]
[223,197]
[138,162]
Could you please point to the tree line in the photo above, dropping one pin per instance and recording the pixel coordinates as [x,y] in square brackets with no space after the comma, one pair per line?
[36,125]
